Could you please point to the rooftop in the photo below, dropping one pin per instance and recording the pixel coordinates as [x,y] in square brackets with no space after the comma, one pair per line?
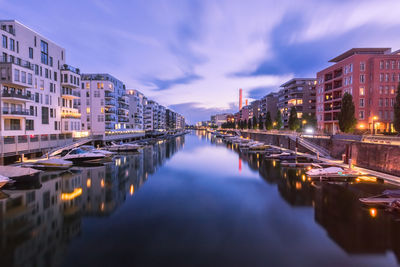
[354,51]
[296,80]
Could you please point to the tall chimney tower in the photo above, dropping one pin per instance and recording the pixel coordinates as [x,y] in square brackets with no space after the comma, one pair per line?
[247,102]
[240,99]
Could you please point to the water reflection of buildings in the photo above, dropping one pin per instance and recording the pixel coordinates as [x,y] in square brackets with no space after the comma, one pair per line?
[356,229]
[36,225]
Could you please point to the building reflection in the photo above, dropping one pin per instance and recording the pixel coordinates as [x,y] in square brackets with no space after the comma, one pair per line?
[36,225]
[353,227]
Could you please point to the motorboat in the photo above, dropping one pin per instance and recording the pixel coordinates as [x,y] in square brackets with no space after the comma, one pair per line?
[4,180]
[92,149]
[331,172]
[387,197]
[19,174]
[77,155]
[49,164]
[278,155]
[123,147]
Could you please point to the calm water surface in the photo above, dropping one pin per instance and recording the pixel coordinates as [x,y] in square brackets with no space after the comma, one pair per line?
[194,201]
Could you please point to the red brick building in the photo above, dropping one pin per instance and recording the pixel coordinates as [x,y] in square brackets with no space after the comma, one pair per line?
[371,75]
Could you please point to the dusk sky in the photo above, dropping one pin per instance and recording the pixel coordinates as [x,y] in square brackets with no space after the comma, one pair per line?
[193,56]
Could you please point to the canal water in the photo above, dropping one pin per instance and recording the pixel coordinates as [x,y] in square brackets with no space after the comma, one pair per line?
[194,201]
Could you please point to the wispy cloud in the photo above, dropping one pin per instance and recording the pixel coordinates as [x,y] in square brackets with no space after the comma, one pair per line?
[194,55]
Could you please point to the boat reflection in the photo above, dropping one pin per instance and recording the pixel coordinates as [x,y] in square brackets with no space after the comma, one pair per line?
[38,222]
[356,229]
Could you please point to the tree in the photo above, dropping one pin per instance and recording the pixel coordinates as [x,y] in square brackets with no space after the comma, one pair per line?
[294,122]
[347,120]
[254,122]
[278,120]
[268,121]
[249,124]
[396,121]
[244,124]
[260,123]
[310,120]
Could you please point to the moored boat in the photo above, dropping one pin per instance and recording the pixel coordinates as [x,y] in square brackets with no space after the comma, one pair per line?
[77,155]
[4,180]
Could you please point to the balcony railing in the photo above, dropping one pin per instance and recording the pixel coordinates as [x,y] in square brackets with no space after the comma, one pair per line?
[70,68]
[108,94]
[110,103]
[16,61]
[110,111]
[70,92]
[71,115]
[123,119]
[110,118]
[9,111]
[17,95]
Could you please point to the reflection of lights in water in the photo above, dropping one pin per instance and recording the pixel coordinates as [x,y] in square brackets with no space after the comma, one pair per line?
[274,163]
[298,185]
[68,196]
[284,175]
[102,206]
[257,155]
[309,168]
[131,190]
[303,178]
[102,183]
[118,162]
[240,164]
[358,180]
[88,182]
[373,212]
[309,179]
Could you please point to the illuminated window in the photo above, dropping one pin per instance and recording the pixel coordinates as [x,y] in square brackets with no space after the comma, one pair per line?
[102,85]
[299,101]
[102,110]
[87,85]
[362,91]
[98,85]
[87,110]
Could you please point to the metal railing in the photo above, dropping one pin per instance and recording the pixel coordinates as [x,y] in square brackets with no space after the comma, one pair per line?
[16,61]
[9,111]
[17,95]
[70,68]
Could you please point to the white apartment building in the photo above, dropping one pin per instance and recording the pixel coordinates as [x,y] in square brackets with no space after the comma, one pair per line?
[135,110]
[31,95]
[148,120]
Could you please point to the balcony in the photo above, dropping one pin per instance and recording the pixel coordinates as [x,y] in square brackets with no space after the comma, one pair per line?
[337,84]
[71,115]
[328,77]
[123,106]
[17,112]
[123,119]
[110,110]
[16,72]
[328,87]
[109,102]
[121,100]
[15,96]
[110,118]
[70,93]
[337,73]
[70,76]
[109,95]
[71,69]
[122,113]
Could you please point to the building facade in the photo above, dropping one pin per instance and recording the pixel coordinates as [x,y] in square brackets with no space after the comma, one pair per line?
[135,110]
[269,103]
[299,93]
[371,76]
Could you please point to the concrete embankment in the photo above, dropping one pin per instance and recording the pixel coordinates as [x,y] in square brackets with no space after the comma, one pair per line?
[379,157]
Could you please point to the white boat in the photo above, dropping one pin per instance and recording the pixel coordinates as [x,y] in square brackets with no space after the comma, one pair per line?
[79,155]
[273,156]
[123,147]
[92,149]
[49,164]
[4,180]
[387,197]
[332,172]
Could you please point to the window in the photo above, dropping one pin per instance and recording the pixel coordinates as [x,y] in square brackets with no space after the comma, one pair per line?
[362,78]
[44,49]
[381,77]
[29,78]
[351,68]
[362,102]
[392,90]
[23,76]
[362,66]
[387,64]
[55,76]
[29,126]
[5,41]
[386,77]
[41,84]
[31,52]
[55,125]
[87,85]
[393,77]
[380,89]
[361,114]
[98,85]
[386,102]
[46,99]
[392,102]
[51,61]
[381,65]
[16,75]
[12,124]
[380,102]
[46,73]
[12,44]
[45,115]
[393,64]
[34,41]
[66,125]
